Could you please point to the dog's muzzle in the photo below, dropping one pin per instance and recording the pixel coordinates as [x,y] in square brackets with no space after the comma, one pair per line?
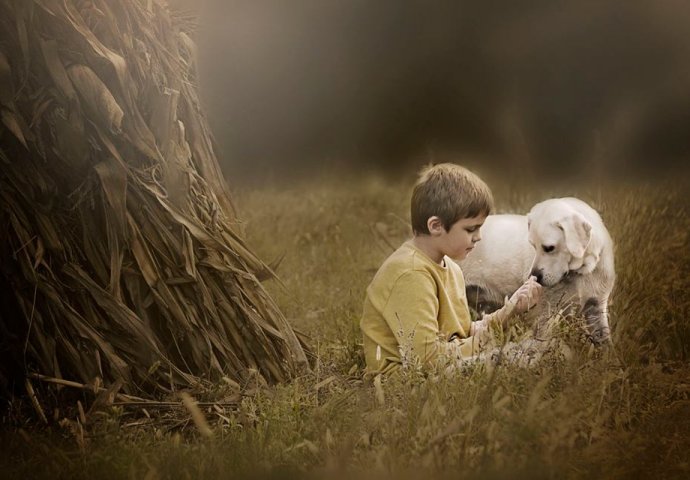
[539,274]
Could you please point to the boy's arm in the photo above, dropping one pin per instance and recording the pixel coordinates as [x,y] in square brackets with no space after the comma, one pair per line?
[412,312]
[496,320]
[524,298]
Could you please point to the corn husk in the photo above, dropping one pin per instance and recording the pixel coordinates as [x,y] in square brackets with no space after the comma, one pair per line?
[120,259]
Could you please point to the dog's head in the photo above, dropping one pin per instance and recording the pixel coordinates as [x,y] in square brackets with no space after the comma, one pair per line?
[560,236]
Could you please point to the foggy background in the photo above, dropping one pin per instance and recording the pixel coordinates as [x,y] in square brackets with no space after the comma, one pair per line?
[558,87]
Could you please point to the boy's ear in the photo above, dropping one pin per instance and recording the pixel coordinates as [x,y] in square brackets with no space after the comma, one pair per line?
[435,225]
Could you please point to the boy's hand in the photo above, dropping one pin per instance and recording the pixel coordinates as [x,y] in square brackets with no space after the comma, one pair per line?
[527,296]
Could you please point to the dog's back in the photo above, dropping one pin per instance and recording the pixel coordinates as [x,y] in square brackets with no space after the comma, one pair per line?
[501,261]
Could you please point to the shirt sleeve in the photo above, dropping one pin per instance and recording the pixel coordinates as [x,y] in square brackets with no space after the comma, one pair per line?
[412,314]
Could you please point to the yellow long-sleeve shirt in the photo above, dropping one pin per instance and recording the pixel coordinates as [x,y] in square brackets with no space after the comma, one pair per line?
[414,306]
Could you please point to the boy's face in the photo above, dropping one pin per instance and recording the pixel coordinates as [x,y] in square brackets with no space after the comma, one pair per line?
[459,241]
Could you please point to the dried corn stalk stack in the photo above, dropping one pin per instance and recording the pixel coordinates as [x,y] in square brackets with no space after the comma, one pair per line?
[119,258]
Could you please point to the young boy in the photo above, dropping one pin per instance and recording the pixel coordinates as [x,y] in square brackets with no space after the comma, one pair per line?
[416,304]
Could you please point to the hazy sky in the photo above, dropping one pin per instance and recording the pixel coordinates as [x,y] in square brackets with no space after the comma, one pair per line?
[541,84]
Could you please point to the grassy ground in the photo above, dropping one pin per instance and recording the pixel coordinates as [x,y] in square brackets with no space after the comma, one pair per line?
[619,415]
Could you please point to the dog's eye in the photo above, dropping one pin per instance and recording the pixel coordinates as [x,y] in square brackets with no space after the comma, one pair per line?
[548,248]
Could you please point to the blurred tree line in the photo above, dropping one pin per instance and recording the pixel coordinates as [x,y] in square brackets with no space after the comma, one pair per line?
[539,85]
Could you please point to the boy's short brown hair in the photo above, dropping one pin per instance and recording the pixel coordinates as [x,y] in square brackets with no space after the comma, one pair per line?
[449,192]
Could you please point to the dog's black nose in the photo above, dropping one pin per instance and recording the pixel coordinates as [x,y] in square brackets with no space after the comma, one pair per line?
[537,273]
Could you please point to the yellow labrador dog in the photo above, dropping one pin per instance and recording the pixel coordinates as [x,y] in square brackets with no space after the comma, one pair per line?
[563,242]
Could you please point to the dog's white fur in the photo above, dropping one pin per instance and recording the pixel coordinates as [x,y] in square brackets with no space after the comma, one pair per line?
[579,267]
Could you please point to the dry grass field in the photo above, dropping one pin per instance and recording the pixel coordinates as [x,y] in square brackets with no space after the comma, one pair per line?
[622,414]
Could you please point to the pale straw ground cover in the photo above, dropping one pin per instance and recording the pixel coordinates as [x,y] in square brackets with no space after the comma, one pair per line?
[621,414]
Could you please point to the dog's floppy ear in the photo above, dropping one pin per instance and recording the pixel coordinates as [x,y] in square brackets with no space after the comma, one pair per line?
[578,233]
